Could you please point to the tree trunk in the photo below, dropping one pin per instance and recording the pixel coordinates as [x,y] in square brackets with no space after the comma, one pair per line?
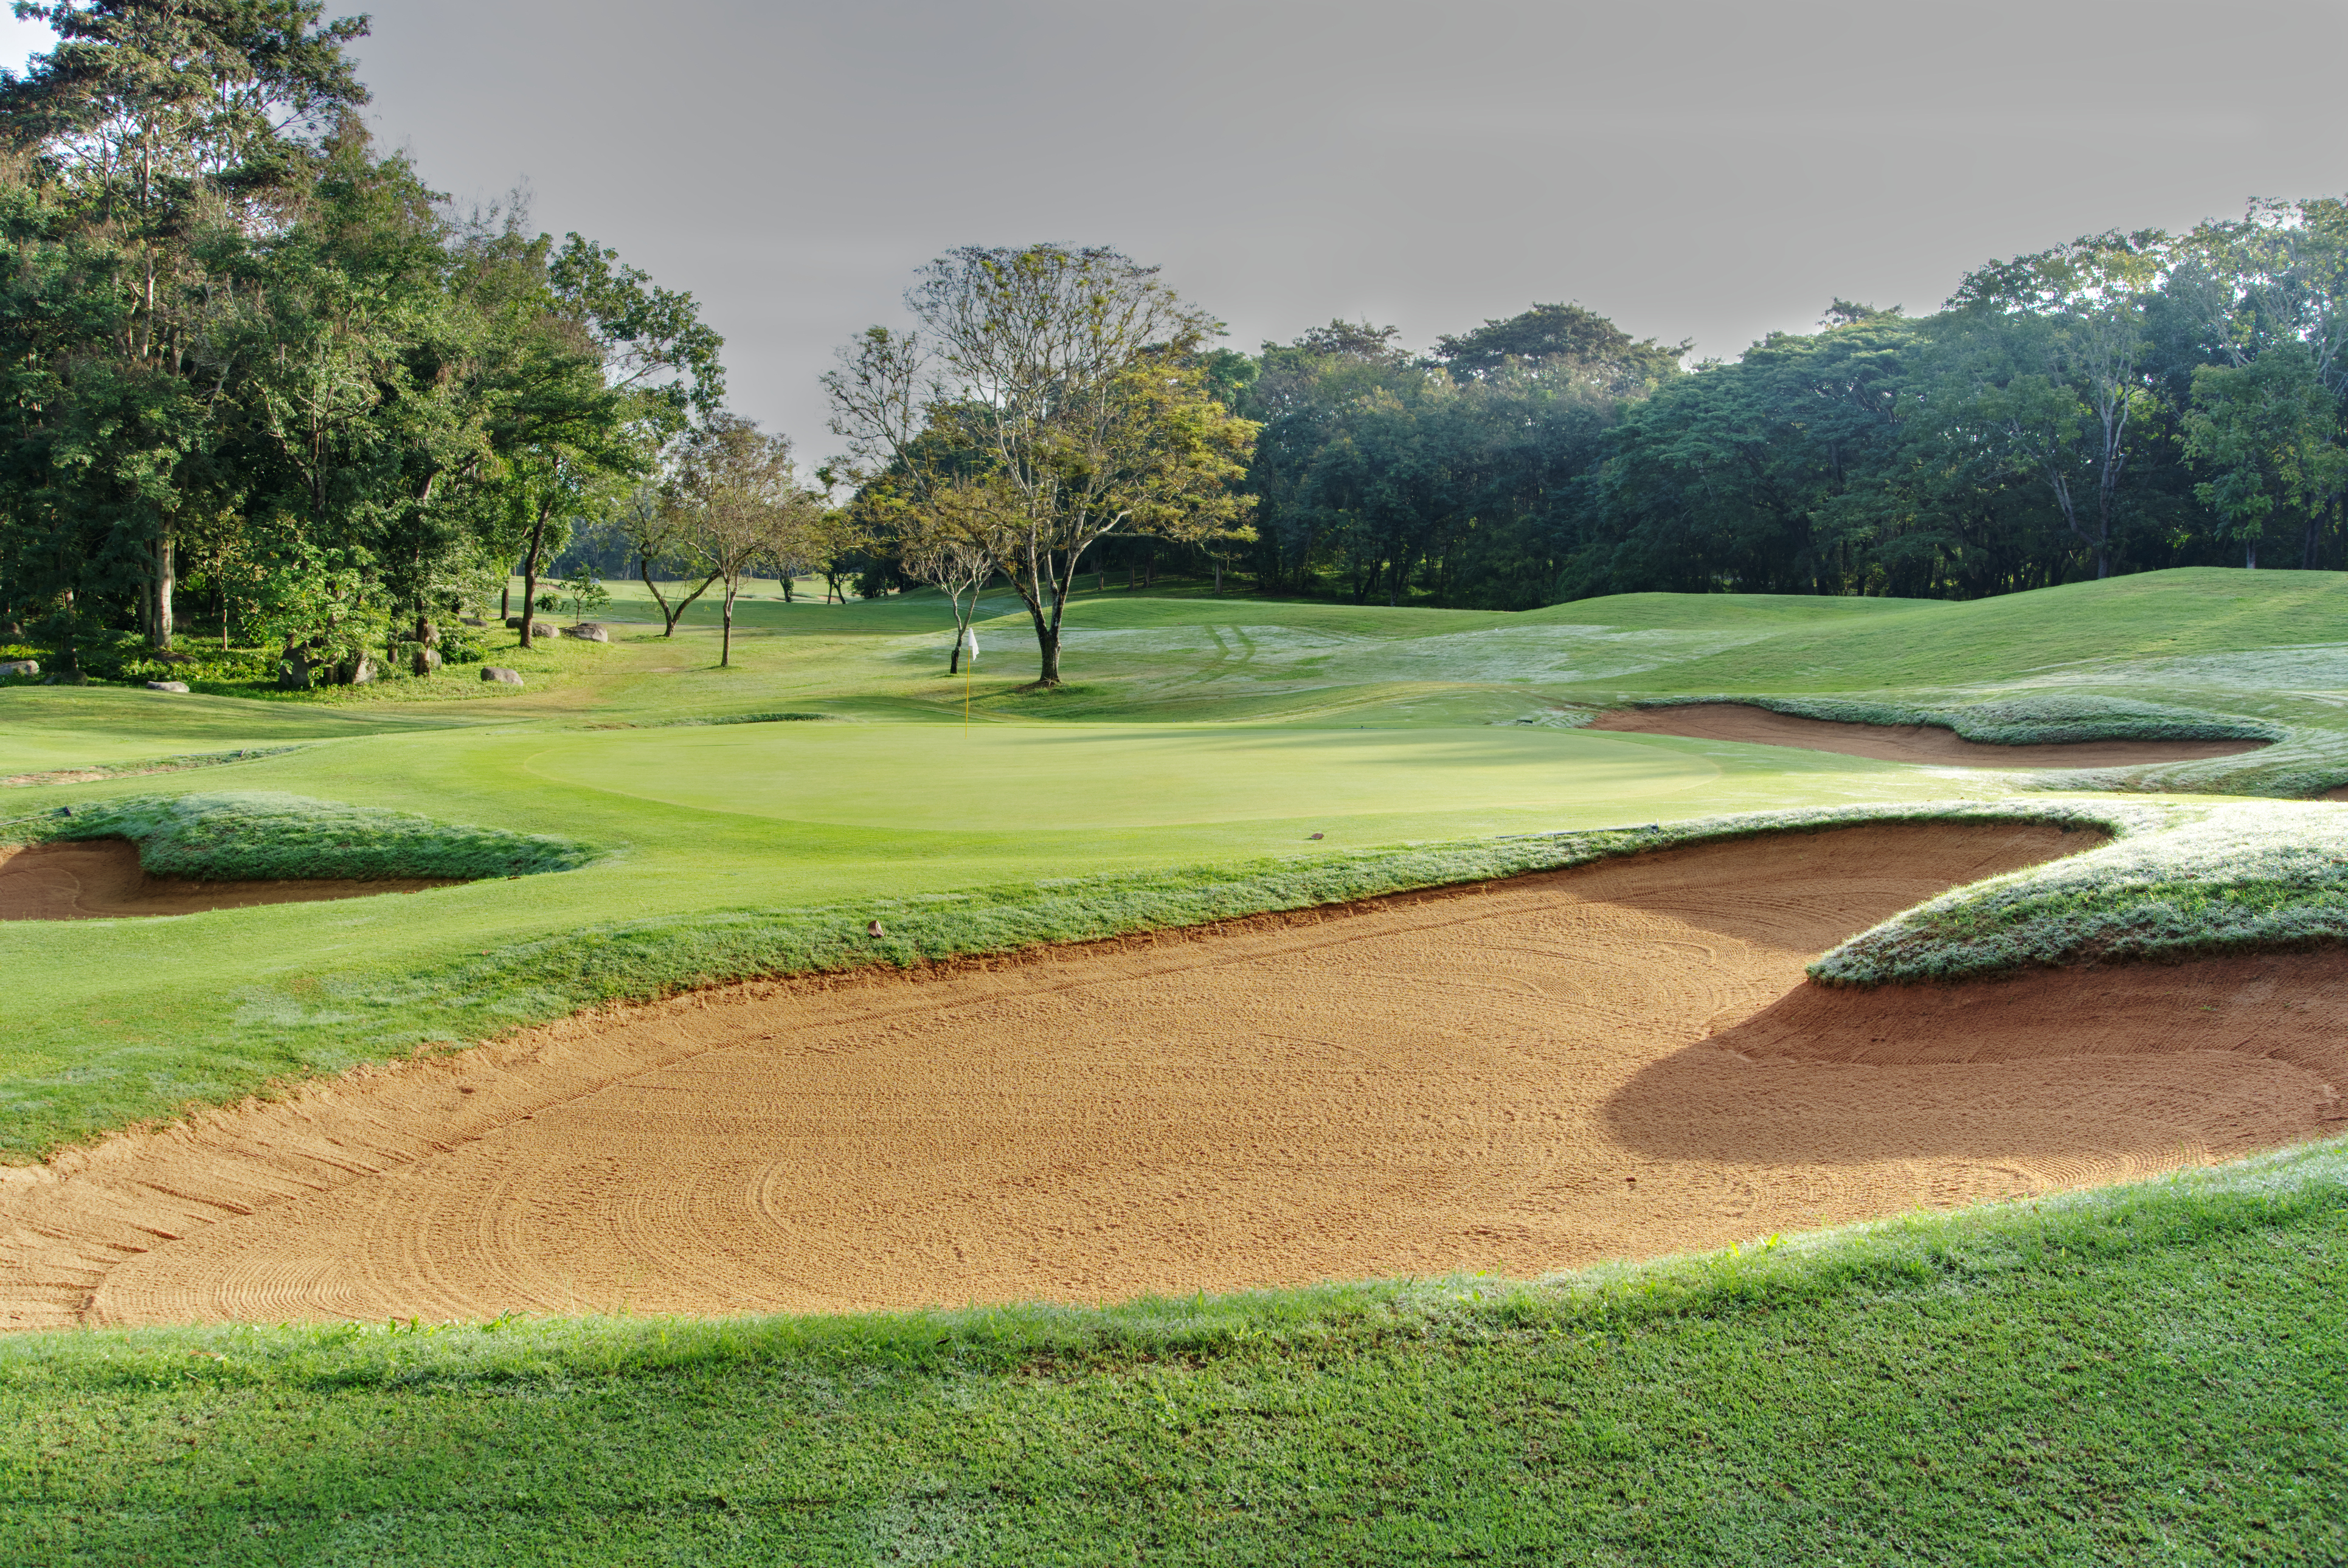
[725,643]
[529,578]
[1047,647]
[1218,579]
[505,598]
[165,581]
[2307,556]
[2250,555]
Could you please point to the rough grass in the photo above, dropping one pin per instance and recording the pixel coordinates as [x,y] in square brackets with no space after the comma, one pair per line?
[2180,881]
[2146,1373]
[236,836]
[2033,719]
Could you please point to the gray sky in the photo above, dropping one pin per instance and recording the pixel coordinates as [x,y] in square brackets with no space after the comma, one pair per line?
[1708,170]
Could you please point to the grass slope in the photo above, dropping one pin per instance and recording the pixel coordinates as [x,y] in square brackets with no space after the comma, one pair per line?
[2142,1375]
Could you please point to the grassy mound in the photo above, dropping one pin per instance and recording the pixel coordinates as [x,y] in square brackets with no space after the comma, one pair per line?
[2036,720]
[2138,1374]
[2180,883]
[239,834]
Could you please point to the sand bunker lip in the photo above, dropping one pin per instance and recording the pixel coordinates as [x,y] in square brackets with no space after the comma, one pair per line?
[1617,1060]
[101,879]
[1928,744]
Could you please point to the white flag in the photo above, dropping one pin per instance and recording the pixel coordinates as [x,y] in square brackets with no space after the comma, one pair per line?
[970,642]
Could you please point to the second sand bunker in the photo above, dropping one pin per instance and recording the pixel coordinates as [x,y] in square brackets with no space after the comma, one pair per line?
[1615,1061]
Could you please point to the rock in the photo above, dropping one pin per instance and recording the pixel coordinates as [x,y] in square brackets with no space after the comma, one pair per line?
[537,627]
[473,620]
[502,677]
[167,685]
[426,661]
[21,667]
[588,631]
[360,674]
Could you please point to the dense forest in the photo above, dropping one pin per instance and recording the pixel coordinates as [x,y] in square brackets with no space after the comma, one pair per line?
[259,376]
[2123,403]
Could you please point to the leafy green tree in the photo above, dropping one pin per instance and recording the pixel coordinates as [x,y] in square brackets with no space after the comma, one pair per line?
[151,129]
[1066,396]
[745,508]
[2268,434]
[2076,414]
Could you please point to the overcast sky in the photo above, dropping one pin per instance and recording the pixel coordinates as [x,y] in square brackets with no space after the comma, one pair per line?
[1709,171]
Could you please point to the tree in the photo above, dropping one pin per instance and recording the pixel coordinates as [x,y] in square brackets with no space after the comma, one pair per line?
[955,555]
[1067,386]
[2092,292]
[154,127]
[659,533]
[745,505]
[2269,433]
[1564,338]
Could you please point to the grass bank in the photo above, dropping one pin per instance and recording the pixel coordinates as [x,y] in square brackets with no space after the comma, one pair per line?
[246,835]
[2146,1373]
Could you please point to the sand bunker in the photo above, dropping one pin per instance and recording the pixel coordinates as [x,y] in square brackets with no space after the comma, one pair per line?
[101,879]
[1924,743]
[1615,1061]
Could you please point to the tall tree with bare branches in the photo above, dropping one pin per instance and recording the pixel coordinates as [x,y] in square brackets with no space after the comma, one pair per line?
[1047,398]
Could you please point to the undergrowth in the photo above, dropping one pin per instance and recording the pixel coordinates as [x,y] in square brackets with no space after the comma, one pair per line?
[257,835]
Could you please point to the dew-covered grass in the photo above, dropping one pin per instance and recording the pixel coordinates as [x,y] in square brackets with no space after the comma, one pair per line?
[2179,881]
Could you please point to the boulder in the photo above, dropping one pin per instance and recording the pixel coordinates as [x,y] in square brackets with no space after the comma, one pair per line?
[473,620]
[358,674]
[502,677]
[588,631]
[427,659]
[21,667]
[167,685]
[537,627]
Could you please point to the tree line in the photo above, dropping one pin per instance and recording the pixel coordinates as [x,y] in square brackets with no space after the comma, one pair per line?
[2120,402]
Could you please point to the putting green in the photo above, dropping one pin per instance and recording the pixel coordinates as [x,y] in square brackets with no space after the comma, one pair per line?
[933,777]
